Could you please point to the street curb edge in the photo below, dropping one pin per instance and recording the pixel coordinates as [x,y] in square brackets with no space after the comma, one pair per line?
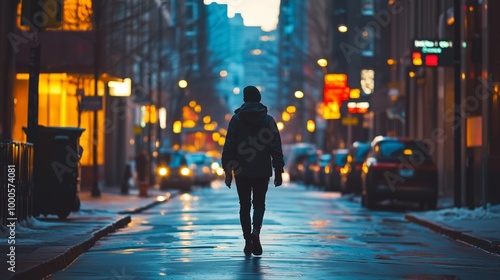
[142,208]
[487,245]
[63,260]
[139,210]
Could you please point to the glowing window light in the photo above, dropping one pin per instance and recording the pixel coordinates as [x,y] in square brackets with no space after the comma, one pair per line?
[162,114]
[367,80]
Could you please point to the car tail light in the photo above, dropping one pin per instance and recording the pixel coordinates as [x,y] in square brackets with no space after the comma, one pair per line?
[327,169]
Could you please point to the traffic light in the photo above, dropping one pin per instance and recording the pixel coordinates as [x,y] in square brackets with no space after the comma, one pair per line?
[42,14]
[432,53]
[416,58]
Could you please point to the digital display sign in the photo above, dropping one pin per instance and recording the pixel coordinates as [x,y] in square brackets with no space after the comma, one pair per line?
[432,53]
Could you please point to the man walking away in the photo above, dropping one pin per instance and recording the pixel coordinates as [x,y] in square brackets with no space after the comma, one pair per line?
[252,149]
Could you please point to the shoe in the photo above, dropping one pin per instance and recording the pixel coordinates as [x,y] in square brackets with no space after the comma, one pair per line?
[248,247]
[256,246]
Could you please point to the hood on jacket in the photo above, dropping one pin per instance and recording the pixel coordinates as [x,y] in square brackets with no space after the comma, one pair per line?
[252,112]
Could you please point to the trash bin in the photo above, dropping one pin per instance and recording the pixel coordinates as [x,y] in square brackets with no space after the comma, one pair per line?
[56,171]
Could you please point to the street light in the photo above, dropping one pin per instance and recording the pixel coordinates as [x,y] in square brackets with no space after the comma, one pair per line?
[299,94]
[322,62]
[183,83]
[311,126]
[342,28]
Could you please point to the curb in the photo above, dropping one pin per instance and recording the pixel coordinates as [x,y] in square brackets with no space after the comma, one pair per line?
[138,210]
[142,208]
[487,245]
[60,262]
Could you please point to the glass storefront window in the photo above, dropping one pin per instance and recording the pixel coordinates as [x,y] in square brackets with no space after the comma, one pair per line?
[58,106]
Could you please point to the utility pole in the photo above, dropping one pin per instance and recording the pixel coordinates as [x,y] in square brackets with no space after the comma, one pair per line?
[457,135]
[7,25]
[159,79]
[96,8]
[34,70]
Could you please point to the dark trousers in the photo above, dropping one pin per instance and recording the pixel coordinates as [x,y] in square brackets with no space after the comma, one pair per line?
[245,187]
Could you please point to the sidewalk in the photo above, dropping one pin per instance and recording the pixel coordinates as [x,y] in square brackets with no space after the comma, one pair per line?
[46,244]
[479,227]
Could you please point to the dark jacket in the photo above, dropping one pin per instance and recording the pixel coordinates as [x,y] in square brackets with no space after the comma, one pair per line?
[253,143]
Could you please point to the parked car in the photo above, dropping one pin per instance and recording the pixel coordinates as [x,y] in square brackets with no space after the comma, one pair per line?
[332,170]
[294,156]
[321,169]
[200,164]
[216,167]
[399,168]
[351,172]
[173,171]
[309,167]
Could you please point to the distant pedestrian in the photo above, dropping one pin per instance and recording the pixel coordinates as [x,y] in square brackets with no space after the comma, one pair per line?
[141,166]
[127,174]
[252,149]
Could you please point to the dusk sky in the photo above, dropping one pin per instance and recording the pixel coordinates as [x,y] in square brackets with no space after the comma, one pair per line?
[263,13]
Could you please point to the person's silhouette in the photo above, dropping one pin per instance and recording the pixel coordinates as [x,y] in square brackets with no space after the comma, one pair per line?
[252,149]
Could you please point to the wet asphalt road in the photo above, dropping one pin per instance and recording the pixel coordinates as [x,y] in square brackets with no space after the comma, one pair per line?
[307,234]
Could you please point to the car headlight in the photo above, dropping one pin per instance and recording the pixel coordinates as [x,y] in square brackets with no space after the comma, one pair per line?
[162,171]
[365,168]
[215,165]
[220,171]
[185,171]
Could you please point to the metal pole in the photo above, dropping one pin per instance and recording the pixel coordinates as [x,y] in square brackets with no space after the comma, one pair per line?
[95,167]
[485,106]
[7,72]
[159,80]
[349,129]
[34,70]
[457,137]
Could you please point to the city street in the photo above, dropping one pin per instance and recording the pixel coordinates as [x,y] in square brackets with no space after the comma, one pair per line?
[307,234]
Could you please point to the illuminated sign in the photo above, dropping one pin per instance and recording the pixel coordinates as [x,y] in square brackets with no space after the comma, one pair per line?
[367,80]
[336,89]
[358,107]
[121,89]
[432,53]
[329,111]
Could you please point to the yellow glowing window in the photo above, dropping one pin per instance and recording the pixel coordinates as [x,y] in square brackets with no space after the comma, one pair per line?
[77,16]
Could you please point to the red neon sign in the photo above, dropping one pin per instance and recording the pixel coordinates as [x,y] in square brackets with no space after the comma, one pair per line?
[431,60]
[335,88]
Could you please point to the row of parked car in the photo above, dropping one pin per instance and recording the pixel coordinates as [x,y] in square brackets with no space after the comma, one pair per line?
[178,169]
[385,168]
